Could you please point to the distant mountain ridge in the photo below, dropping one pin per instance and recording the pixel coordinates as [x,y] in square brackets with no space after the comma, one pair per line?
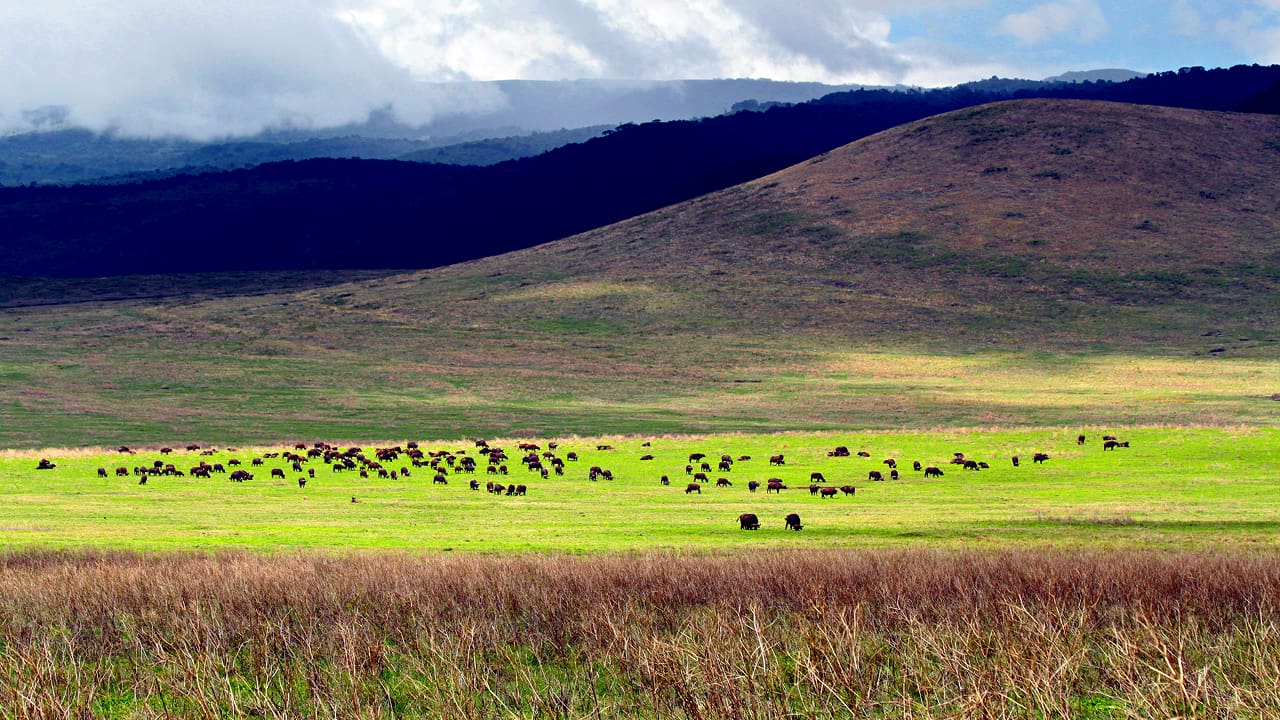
[335,214]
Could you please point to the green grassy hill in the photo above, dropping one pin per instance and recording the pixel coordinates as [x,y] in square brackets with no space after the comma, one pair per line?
[1025,263]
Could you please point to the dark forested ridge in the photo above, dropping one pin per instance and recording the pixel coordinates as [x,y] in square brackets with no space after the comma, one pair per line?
[329,213]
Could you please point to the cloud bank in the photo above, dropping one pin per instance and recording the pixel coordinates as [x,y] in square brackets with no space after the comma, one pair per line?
[234,67]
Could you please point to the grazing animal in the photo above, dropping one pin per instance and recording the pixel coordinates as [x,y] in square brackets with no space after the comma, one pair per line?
[863,453]
[891,463]
[302,482]
[813,489]
[970,465]
[102,472]
[723,482]
[439,479]
[646,457]
[840,451]
[893,474]
[475,484]
[692,488]
[1015,461]
[829,492]
[916,466]
[753,485]
[277,473]
[775,485]
[697,456]
[777,460]
[122,472]
[700,477]
[848,489]
[142,480]
[1109,437]
[934,472]
[1039,457]
[793,522]
[44,464]
[241,475]
[1113,444]
[816,477]
[705,467]
[688,469]
[748,521]
[1079,439]
[875,475]
[725,466]
[664,480]
[521,489]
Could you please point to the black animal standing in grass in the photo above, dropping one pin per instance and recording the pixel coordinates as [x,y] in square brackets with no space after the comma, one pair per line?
[748,521]
[793,522]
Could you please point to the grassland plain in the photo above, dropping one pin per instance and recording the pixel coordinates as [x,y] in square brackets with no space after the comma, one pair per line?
[1174,488]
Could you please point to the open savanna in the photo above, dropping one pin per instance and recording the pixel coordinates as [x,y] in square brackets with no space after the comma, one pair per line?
[1173,488]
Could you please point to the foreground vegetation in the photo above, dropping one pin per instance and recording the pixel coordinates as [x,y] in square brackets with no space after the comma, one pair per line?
[810,634]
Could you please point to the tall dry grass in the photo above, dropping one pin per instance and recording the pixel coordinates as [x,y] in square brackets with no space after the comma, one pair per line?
[797,634]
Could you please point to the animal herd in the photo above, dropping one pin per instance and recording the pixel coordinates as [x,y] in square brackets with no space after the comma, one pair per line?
[400,463]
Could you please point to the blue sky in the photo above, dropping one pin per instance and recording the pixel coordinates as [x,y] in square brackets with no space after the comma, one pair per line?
[204,68]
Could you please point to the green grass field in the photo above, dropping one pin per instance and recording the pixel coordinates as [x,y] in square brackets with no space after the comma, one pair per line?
[1174,488]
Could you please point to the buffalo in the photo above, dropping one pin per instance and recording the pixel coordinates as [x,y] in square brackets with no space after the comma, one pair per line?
[775,485]
[664,480]
[829,492]
[692,488]
[891,463]
[816,477]
[793,522]
[753,485]
[700,477]
[1039,457]
[1015,461]
[748,521]
[813,489]
[971,465]
[934,472]
[777,460]
[277,473]
[916,466]
[848,489]
[875,475]
[102,472]
[1079,439]
[439,479]
[1113,444]
[302,482]
[723,482]
[475,484]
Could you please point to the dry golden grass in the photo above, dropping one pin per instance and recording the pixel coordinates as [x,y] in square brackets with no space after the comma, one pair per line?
[815,634]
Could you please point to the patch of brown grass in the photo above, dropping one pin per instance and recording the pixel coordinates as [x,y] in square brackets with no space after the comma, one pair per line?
[815,634]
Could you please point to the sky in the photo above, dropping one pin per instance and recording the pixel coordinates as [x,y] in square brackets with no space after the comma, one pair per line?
[217,68]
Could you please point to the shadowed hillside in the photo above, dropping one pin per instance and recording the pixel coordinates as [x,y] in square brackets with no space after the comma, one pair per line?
[1030,262]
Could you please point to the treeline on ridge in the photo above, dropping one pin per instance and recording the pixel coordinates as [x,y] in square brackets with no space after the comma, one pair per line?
[348,214]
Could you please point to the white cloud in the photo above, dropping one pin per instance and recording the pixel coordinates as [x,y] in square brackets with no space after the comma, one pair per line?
[1256,31]
[1079,19]
[1185,20]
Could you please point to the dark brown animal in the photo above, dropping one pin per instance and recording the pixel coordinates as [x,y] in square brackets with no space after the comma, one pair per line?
[439,479]
[277,473]
[813,489]
[122,472]
[723,482]
[816,477]
[1113,444]
[934,472]
[475,485]
[700,477]
[875,475]
[664,480]
[829,492]
[891,463]
[971,465]
[893,474]
[840,451]
[916,466]
[863,453]
[692,488]
[848,489]
[777,460]
[1079,439]
[1039,457]
[793,522]
[748,521]
[302,482]
[1015,461]
[102,472]
[753,485]
[775,485]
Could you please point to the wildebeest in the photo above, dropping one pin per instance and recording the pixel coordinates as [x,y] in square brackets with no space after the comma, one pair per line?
[816,477]
[829,492]
[875,475]
[848,489]
[723,482]
[775,485]
[748,521]
[793,522]
[1039,457]
[692,488]
[777,460]
[753,485]
[934,472]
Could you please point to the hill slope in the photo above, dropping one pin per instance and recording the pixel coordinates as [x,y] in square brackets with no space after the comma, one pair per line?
[1032,262]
